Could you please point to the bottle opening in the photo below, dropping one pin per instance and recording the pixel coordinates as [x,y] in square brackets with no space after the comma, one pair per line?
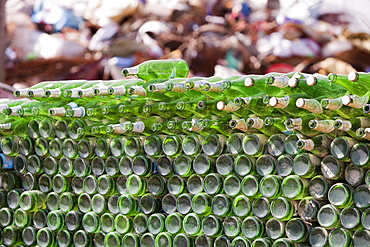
[17,93]
[238,101]
[110,91]
[332,77]
[125,72]
[325,103]
[201,105]
[232,123]
[366,108]
[80,93]
[180,105]
[96,92]
[47,93]
[270,80]
[152,88]
[360,132]
[338,124]
[269,121]
[312,124]
[353,76]
[250,122]
[105,110]
[300,143]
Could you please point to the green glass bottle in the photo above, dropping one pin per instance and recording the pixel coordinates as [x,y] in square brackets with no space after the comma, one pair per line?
[204,241]
[136,185]
[306,165]
[29,235]
[182,239]
[202,204]
[195,184]
[352,86]
[222,205]
[283,209]
[244,165]
[225,164]
[169,203]
[159,69]
[56,220]
[257,104]
[6,216]
[156,223]
[73,220]
[202,164]
[213,183]
[232,226]
[271,186]
[112,239]
[39,218]
[192,224]
[340,237]
[250,185]
[254,144]
[318,145]
[261,208]
[252,228]
[265,165]
[296,230]
[32,200]
[332,168]
[240,241]
[354,175]
[340,195]
[173,223]
[11,236]
[284,165]
[361,237]
[275,229]
[350,218]
[241,206]
[123,224]
[142,166]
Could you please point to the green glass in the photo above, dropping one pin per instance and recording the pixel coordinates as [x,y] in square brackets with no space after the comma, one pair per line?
[176,185]
[149,204]
[341,147]
[73,220]
[90,185]
[276,145]
[212,226]
[34,164]
[11,236]
[113,204]
[222,205]
[52,201]
[67,202]
[131,240]
[173,223]
[50,166]
[84,202]
[142,166]
[271,186]
[39,218]
[136,185]
[361,196]
[107,222]
[153,146]
[191,145]
[265,242]
[69,148]
[45,183]
[169,203]
[202,164]
[77,185]
[134,146]
[244,165]
[11,180]
[123,224]
[241,206]
[81,239]
[306,165]
[157,185]
[9,145]
[183,203]
[156,223]
[318,237]
[360,155]
[26,145]
[45,237]
[125,166]
[204,241]
[55,148]
[261,208]
[182,166]
[340,195]
[147,240]
[308,208]
[354,175]
[117,147]
[106,185]
[350,218]
[29,181]
[331,168]
[284,165]
[213,145]
[232,226]
[252,228]
[296,230]
[29,235]
[225,164]
[340,237]
[293,187]
[348,82]
[13,198]
[96,165]
[234,143]
[275,229]
[61,184]
[318,145]
[254,144]
[283,209]
[222,241]
[183,240]
[192,224]
[32,200]
[140,223]
[56,220]
[6,216]
[164,166]
[99,204]
[202,204]
[91,222]
[195,184]
[85,148]
[240,241]
[112,239]
[265,165]
[81,167]
[361,237]
[250,185]
[213,183]
[172,145]
[328,216]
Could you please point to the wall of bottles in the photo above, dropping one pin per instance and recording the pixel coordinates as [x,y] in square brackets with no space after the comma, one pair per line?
[158,159]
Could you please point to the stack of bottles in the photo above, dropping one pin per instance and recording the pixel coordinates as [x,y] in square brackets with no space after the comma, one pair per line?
[159,159]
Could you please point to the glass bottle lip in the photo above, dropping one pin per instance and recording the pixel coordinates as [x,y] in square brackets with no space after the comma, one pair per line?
[191,144]
[292,181]
[215,227]
[244,165]
[246,209]
[175,147]
[350,223]
[270,186]
[196,225]
[360,154]
[254,144]
[195,184]
[232,185]
[153,227]
[253,223]
[331,216]
[135,185]
[171,226]
[338,199]
[295,223]
[275,228]
[250,185]
[261,207]
[335,240]
[314,241]
[153,145]
[118,220]
[265,165]
[48,237]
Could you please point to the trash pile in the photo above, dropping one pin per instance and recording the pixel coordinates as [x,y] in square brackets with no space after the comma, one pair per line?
[53,40]
[162,159]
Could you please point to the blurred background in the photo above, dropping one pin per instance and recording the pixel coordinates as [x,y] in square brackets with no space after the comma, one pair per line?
[94,39]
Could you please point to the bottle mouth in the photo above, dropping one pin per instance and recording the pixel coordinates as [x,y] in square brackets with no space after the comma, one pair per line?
[152,88]
[201,104]
[311,81]
[109,129]
[47,93]
[226,85]
[162,106]
[288,123]
[312,124]
[147,108]
[96,91]
[360,132]
[121,108]
[17,93]
[7,111]
[67,93]
[105,110]
[266,100]
[300,144]
[270,80]
[293,82]
[325,103]
[110,91]
[268,121]
[232,123]
[80,93]
[125,72]
[366,108]
[180,105]
[250,122]
[238,101]
[131,91]
[332,77]
[337,124]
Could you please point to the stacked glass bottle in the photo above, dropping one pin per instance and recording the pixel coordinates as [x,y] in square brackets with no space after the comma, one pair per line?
[165,160]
